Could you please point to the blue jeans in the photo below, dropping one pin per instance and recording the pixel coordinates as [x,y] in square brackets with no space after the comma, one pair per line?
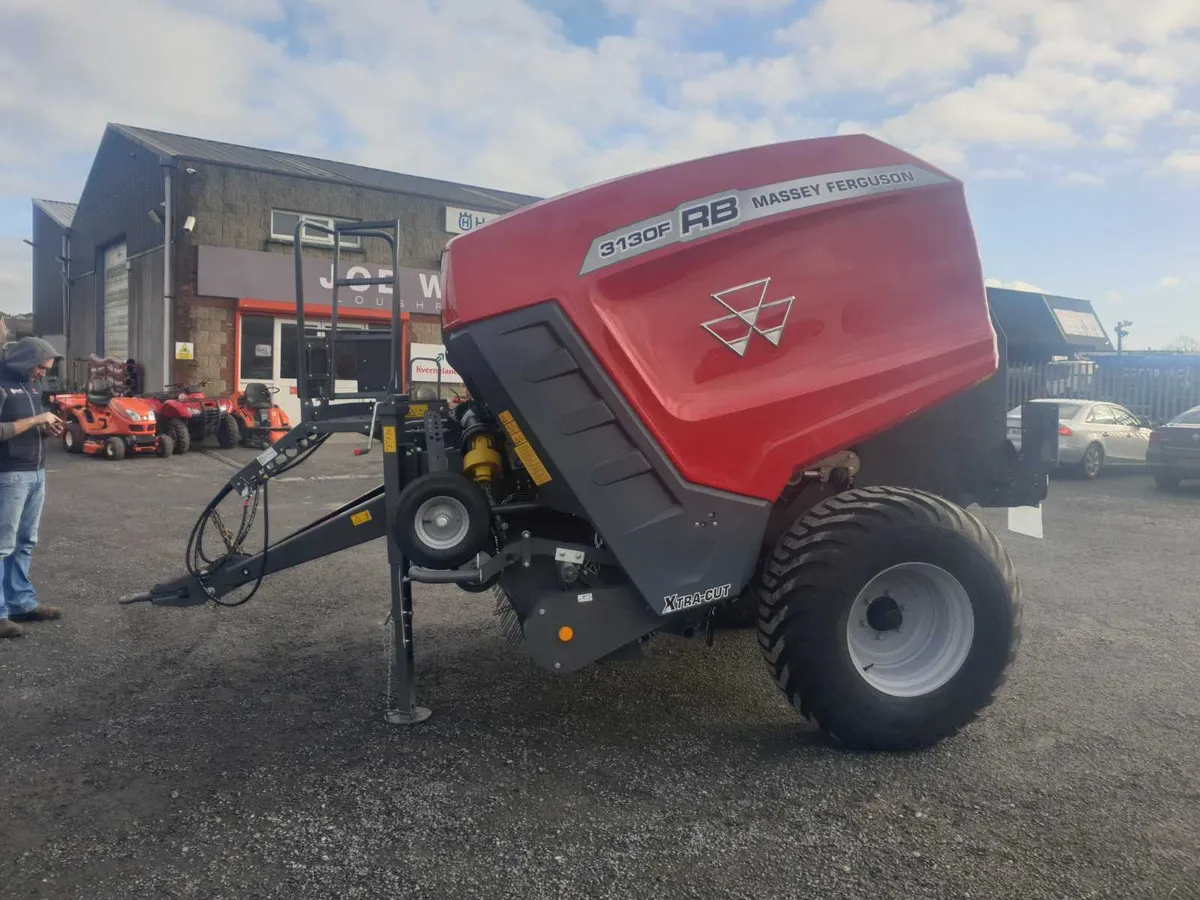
[21,498]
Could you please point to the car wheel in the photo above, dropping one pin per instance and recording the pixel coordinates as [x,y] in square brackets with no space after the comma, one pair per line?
[1166,481]
[1093,461]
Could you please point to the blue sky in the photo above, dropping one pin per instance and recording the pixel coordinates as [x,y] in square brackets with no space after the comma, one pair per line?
[1074,123]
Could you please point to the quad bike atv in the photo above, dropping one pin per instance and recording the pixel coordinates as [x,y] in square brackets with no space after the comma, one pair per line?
[768,377]
[98,422]
[188,416]
[259,421]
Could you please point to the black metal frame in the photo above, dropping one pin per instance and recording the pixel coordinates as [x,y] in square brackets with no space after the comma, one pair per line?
[386,413]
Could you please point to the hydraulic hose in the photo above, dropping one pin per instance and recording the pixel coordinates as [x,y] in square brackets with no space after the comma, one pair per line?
[197,561]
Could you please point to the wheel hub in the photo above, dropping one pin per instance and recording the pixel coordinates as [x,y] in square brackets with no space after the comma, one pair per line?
[884,614]
[910,629]
[441,523]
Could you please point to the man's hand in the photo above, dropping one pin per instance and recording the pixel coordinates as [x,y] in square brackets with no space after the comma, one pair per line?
[50,422]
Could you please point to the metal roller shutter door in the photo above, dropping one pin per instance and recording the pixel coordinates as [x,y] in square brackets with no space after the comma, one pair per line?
[116,302]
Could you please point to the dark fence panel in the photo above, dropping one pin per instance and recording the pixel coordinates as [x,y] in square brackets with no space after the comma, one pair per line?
[1156,392]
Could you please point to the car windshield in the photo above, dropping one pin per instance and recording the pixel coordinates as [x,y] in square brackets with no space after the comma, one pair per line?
[1065,410]
[1191,417]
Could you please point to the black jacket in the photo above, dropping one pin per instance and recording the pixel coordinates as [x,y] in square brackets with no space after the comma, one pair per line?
[21,399]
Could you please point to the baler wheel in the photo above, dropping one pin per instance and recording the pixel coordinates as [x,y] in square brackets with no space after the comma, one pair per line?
[889,616]
[442,520]
[178,430]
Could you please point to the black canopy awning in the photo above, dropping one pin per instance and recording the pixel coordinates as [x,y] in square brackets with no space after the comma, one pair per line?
[1041,326]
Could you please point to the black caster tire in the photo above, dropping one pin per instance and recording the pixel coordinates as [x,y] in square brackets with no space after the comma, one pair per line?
[442,520]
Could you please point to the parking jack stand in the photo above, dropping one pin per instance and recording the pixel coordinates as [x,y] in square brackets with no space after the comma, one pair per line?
[402,701]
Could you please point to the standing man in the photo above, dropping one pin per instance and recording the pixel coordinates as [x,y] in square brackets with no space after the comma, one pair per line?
[22,478]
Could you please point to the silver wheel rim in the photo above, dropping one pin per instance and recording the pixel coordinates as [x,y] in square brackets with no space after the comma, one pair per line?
[441,523]
[1092,459]
[910,629]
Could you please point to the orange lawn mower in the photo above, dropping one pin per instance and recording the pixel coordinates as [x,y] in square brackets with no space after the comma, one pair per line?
[101,423]
[260,421]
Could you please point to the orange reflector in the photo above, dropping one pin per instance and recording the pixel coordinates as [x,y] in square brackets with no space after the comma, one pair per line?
[566,633]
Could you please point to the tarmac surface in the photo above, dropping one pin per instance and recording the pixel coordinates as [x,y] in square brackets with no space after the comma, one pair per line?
[241,753]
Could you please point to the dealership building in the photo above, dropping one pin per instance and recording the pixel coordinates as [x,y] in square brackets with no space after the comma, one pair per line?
[219,305]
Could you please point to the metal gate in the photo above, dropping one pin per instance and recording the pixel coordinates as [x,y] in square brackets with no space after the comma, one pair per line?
[116,302]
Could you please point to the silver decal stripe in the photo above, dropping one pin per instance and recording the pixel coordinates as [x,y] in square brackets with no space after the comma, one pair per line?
[722,211]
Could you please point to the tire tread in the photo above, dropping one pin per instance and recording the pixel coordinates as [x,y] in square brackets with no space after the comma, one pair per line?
[784,614]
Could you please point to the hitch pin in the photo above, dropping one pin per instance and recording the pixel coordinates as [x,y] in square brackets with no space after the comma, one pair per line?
[359,451]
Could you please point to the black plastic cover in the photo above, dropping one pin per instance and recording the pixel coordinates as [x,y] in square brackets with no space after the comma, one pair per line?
[682,545]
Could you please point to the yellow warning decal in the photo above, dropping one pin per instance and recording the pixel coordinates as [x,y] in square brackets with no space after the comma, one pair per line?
[525,452]
[389,438]
[360,517]
[416,410]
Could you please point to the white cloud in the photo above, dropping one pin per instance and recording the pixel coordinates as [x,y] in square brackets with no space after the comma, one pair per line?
[1183,162]
[1169,281]
[494,91]
[877,44]
[1015,285]
[1114,296]
[1010,173]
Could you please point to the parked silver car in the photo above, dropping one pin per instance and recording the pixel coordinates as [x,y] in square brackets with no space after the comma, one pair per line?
[1093,434]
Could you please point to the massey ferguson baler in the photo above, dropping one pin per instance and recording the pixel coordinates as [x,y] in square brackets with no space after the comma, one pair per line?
[760,387]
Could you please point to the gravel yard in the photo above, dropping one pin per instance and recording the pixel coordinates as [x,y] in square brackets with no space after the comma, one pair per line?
[241,753]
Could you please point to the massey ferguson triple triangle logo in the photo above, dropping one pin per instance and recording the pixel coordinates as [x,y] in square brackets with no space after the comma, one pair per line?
[749,314]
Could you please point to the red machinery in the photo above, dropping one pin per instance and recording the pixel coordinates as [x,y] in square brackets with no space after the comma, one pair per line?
[767,379]
[101,422]
[187,415]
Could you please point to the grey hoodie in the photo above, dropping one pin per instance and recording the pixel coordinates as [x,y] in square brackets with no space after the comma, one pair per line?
[21,399]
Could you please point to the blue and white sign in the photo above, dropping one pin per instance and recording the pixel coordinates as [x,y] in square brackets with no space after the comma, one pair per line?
[461,221]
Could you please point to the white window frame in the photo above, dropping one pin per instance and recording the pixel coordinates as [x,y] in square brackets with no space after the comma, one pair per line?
[320,238]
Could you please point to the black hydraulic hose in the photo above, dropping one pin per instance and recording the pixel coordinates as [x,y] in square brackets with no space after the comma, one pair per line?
[195,547]
[262,569]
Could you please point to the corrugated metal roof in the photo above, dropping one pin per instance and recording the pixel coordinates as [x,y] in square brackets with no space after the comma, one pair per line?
[59,210]
[201,150]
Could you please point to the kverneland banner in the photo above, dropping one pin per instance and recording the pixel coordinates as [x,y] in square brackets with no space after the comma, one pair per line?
[258,275]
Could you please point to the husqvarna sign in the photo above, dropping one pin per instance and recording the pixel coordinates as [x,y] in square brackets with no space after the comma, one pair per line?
[461,221]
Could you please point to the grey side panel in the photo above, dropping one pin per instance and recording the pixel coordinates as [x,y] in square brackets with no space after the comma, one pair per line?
[682,545]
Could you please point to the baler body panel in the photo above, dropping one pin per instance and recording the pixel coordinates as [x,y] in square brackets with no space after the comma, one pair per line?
[757,310]
[682,545]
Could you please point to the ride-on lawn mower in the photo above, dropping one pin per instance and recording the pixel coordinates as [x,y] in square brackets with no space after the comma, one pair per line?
[259,421]
[100,422]
[767,379]
[188,416]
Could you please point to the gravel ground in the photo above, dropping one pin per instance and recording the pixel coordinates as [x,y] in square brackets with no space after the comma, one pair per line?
[241,753]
